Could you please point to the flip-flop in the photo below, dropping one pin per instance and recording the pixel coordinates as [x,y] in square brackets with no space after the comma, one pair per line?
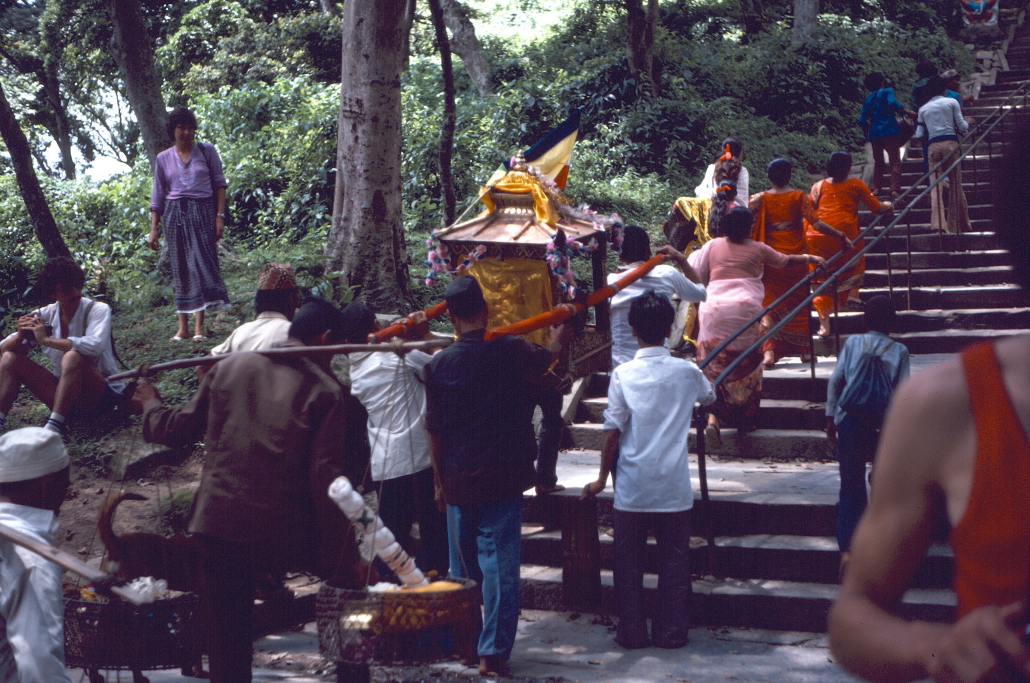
[199,338]
[544,490]
[177,338]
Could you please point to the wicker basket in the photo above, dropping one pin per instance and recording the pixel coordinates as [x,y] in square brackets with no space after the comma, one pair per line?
[396,627]
[117,635]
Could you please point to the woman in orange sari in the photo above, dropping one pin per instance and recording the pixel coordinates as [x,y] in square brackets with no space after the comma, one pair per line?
[836,202]
[779,216]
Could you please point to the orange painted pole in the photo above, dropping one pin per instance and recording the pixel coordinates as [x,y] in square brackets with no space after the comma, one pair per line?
[563,312]
[382,335]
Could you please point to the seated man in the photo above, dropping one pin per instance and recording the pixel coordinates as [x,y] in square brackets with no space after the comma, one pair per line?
[650,404]
[33,482]
[392,389]
[75,334]
[664,279]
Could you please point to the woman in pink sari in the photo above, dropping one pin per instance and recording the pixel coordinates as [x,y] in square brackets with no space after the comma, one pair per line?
[731,266]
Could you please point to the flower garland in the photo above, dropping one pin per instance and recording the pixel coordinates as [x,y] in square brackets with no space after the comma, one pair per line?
[439,260]
[559,253]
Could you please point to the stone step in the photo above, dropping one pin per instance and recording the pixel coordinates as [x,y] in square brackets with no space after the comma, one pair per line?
[952,277]
[920,213]
[777,444]
[1000,319]
[810,559]
[769,604]
[927,298]
[941,242]
[941,341]
[774,413]
[939,260]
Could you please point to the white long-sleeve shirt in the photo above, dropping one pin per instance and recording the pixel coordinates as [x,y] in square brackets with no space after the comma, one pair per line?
[940,116]
[663,279]
[31,604]
[89,336]
[707,188]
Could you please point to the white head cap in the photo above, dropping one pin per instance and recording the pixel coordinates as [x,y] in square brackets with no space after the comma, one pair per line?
[29,453]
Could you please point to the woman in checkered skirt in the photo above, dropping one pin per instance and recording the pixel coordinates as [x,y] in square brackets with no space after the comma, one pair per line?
[189,201]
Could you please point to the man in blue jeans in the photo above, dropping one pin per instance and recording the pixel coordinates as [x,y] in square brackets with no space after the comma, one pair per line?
[480,423]
[856,435]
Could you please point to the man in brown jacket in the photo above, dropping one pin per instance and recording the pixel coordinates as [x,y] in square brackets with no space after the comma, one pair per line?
[277,432]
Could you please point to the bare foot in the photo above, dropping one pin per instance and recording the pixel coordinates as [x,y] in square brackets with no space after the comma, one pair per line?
[770,359]
[712,434]
[493,665]
[544,490]
[824,326]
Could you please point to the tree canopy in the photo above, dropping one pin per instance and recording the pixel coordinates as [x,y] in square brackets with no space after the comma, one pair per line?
[264,79]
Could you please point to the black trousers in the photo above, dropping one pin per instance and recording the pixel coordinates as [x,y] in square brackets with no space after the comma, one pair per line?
[408,499]
[671,622]
[227,607]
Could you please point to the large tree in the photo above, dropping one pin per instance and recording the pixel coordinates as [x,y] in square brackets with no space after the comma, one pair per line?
[466,45]
[130,44]
[806,13]
[640,23]
[21,157]
[366,239]
[450,203]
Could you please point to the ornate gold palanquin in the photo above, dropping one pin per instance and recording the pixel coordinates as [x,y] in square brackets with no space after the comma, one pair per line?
[514,232]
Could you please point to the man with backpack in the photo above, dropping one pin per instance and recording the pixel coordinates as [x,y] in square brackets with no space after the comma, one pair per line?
[869,368]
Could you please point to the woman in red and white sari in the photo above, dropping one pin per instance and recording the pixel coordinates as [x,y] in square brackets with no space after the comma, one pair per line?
[731,266]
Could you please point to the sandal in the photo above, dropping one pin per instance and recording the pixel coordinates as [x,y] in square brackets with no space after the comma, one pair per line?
[177,338]
[199,338]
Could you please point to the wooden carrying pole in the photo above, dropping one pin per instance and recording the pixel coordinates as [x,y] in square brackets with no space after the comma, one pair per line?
[101,581]
[283,352]
[400,326]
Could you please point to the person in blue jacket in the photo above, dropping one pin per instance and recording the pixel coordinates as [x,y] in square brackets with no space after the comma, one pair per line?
[881,129]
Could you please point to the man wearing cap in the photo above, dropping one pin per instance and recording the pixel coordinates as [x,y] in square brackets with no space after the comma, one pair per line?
[953,82]
[392,389]
[277,432]
[33,482]
[480,423]
[275,302]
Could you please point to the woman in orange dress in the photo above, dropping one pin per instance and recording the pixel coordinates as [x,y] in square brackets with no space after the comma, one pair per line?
[780,213]
[836,202]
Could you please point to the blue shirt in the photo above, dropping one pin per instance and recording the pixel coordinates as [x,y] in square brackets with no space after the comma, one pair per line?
[895,361]
[877,117]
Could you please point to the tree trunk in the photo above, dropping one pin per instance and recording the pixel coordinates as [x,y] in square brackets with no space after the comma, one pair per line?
[329,7]
[806,13]
[466,45]
[450,209]
[62,129]
[366,240]
[640,23]
[130,46]
[35,203]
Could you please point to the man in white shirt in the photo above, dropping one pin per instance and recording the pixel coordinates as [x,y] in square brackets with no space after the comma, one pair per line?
[650,407]
[940,122]
[275,302]
[33,482]
[75,334]
[392,389]
[664,279]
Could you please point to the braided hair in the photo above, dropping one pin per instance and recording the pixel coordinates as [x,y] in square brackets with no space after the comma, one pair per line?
[727,166]
[721,203]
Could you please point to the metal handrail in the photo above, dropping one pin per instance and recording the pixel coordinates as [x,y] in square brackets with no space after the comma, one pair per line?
[986,127]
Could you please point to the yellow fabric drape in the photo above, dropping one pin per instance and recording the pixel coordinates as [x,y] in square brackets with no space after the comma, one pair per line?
[520,182]
[514,289]
[694,209]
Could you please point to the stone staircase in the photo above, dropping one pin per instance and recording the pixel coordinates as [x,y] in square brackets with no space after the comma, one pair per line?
[774,491]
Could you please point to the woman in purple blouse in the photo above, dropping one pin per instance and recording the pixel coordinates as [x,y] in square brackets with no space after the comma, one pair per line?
[189,201]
